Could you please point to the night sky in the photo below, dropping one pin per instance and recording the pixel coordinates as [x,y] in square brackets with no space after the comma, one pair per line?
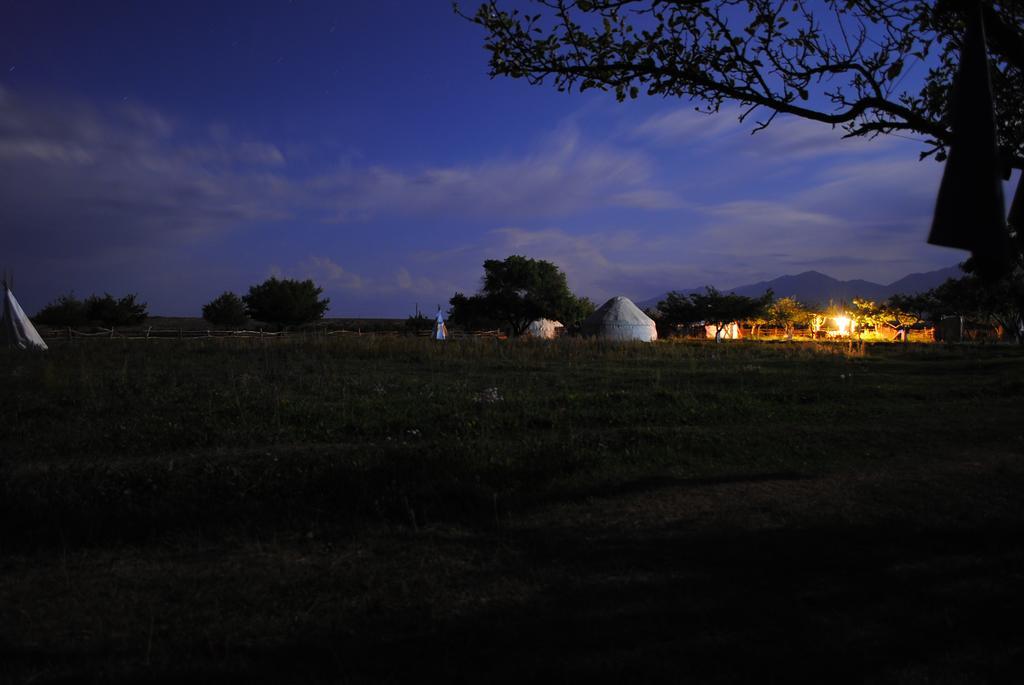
[180,149]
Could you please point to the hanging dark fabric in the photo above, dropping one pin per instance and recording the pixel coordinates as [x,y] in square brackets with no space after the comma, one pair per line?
[970,210]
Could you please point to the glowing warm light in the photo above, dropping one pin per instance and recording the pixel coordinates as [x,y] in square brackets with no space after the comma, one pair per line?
[843,322]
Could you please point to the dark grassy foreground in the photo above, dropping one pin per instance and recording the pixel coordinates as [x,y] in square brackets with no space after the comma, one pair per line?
[387,510]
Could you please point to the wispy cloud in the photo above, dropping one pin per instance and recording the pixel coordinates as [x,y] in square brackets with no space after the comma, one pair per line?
[787,138]
[79,179]
[329,274]
[564,175]
[802,197]
[858,218]
[103,188]
[864,219]
[647,199]
[685,125]
[343,283]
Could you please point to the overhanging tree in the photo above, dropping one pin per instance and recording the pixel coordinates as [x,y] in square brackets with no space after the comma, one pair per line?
[677,309]
[227,309]
[1003,301]
[903,312]
[786,313]
[713,307]
[899,313]
[111,311]
[999,302]
[1003,297]
[960,297]
[867,314]
[66,310]
[517,291]
[722,309]
[285,302]
[839,62]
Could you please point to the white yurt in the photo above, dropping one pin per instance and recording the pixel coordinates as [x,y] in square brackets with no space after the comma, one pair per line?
[619,319]
[545,329]
[18,331]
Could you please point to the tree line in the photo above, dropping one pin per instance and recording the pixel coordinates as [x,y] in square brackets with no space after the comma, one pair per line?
[105,310]
[518,290]
[278,302]
[970,298]
[282,302]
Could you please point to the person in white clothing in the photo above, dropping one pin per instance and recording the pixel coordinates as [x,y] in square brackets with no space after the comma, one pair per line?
[440,330]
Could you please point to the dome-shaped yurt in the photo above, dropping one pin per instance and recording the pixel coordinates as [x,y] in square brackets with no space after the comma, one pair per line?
[546,329]
[619,319]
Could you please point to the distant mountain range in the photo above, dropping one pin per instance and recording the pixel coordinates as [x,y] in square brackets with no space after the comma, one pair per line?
[814,287]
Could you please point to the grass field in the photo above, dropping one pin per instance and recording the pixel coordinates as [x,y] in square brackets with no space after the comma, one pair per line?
[391,510]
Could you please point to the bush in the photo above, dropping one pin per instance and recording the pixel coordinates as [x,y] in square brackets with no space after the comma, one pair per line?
[66,310]
[112,312]
[285,302]
[226,310]
[419,322]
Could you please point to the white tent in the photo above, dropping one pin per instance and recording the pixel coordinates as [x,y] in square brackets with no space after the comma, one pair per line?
[731,331]
[544,328]
[18,331]
[619,319]
[440,330]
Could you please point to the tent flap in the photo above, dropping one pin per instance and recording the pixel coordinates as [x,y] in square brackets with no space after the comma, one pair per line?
[18,329]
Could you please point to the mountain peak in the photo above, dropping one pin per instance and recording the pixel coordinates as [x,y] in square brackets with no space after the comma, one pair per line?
[813,287]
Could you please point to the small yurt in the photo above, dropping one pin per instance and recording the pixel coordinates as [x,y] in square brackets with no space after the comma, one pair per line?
[619,319]
[546,329]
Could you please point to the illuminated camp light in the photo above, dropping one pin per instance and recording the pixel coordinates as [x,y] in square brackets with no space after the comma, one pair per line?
[843,323]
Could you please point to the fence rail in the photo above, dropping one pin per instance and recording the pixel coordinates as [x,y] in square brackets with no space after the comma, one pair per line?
[183,333]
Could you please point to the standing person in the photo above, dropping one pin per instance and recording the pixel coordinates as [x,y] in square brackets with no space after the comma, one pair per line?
[440,330]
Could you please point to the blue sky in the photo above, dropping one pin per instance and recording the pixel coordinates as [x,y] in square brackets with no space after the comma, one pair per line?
[180,149]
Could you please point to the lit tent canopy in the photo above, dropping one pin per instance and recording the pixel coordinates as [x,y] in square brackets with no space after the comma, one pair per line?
[18,331]
[731,331]
[619,319]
